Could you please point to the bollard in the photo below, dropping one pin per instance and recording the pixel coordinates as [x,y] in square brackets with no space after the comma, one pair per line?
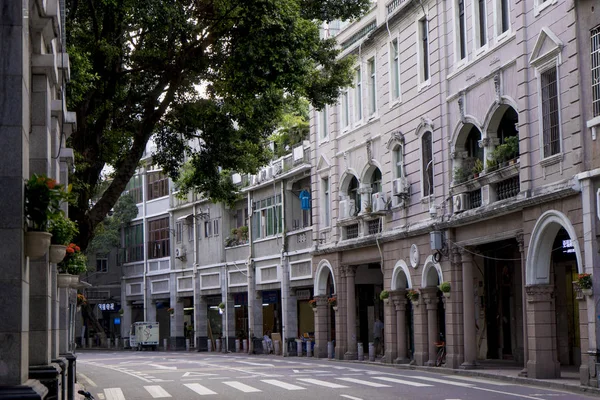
[209,347]
[245,345]
[109,343]
[90,342]
[361,352]
[218,346]
[165,344]
[330,350]
[276,347]
[238,345]
[371,351]
[299,347]
[187,344]
[308,348]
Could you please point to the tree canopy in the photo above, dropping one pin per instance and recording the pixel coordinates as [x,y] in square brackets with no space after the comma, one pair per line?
[209,80]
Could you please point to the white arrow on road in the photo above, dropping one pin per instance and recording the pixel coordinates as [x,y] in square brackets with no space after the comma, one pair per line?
[196,374]
[161,366]
[300,371]
[259,364]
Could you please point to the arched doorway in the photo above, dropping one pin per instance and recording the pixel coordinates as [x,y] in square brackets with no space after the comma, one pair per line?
[325,316]
[434,307]
[553,258]
[403,343]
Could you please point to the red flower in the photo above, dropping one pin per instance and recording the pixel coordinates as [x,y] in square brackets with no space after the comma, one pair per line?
[70,250]
[51,183]
[77,248]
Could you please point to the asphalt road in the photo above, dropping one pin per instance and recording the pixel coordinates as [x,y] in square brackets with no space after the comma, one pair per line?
[133,375]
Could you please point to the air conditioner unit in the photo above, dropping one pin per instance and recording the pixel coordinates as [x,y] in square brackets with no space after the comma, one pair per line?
[180,252]
[378,202]
[263,175]
[253,180]
[269,172]
[347,209]
[400,187]
[460,202]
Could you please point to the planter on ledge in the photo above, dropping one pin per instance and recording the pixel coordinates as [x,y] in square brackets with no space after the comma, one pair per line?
[37,244]
[57,253]
[587,292]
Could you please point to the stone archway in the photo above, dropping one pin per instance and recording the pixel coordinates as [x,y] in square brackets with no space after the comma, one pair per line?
[320,286]
[398,317]
[323,312]
[401,276]
[432,273]
[542,360]
[432,316]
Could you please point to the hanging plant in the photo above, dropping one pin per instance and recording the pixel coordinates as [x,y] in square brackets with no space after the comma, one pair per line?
[313,303]
[412,295]
[332,301]
[221,306]
[384,295]
[445,287]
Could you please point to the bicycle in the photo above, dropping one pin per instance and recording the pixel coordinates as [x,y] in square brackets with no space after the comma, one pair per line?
[441,353]
[87,395]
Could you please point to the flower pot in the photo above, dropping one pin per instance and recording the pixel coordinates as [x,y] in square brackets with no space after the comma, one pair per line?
[57,253]
[415,302]
[63,280]
[37,244]
[74,281]
[587,292]
[446,294]
[335,308]
[314,310]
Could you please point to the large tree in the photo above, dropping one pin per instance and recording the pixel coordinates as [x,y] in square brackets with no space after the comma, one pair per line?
[208,78]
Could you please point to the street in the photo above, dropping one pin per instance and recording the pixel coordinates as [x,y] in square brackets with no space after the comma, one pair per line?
[145,375]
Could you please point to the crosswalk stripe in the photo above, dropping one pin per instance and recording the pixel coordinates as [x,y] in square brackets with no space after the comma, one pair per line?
[282,385]
[322,383]
[409,383]
[198,388]
[366,383]
[478,380]
[157,391]
[426,378]
[114,394]
[242,387]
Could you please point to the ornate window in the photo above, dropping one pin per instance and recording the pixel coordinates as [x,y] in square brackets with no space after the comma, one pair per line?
[427,163]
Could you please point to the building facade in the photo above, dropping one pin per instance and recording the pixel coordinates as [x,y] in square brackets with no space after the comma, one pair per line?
[461,155]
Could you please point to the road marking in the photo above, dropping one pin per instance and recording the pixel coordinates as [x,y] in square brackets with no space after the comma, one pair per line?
[308,371]
[322,383]
[242,387]
[350,397]
[477,380]
[161,366]
[258,364]
[91,382]
[100,396]
[282,385]
[522,396]
[114,394]
[409,383]
[157,391]
[426,378]
[196,374]
[366,383]
[201,390]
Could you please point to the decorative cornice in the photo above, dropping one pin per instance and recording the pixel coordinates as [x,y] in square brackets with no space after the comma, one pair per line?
[539,293]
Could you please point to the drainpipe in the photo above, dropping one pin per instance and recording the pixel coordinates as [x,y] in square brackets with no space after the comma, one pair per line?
[285,289]
[145,243]
[250,282]
[195,270]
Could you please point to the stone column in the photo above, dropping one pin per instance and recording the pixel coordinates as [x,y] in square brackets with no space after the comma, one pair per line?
[229,323]
[400,300]
[454,314]
[541,329]
[390,328]
[351,351]
[63,321]
[321,326]
[431,303]
[341,344]
[420,331]
[177,336]
[55,312]
[470,332]
[521,243]
[201,323]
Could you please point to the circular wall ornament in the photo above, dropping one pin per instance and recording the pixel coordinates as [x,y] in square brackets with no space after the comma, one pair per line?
[414,255]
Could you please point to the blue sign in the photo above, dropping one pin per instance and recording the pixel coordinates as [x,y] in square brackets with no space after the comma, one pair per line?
[117,321]
[304,200]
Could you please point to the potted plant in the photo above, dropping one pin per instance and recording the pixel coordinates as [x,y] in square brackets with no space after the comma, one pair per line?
[313,304]
[460,175]
[445,288]
[477,167]
[413,296]
[171,310]
[243,233]
[221,306]
[74,263]
[42,202]
[585,283]
[63,230]
[512,143]
[385,296]
[491,164]
[332,301]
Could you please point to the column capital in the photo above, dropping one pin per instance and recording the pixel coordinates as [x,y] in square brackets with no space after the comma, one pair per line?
[455,257]
[521,241]
[349,270]
[398,299]
[321,300]
[539,293]
[430,297]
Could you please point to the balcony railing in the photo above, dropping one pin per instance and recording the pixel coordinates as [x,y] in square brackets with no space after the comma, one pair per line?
[131,254]
[352,231]
[508,188]
[374,226]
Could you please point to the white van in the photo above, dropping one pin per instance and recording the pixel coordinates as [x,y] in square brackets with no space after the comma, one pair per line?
[144,334]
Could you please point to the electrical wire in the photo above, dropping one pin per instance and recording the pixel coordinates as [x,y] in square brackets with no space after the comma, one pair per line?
[488,257]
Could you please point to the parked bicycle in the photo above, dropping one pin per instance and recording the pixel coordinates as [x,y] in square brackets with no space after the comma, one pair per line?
[441,353]
[87,395]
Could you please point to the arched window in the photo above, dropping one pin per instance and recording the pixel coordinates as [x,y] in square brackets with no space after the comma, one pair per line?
[353,193]
[398,161]
[376,181]
[427,163]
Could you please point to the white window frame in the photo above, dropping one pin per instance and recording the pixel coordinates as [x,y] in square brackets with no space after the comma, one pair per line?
[372,87]
[178,232]
[398,160]
[498,20]
[541,5]
[479,47]
[105,262]
[215,231]
[539,70]
[457,35]
[345,110]
[421,56]
[597,67]
[207,232]
[423,167]
[323,124]
[358,101]
[395,81]
[326,201]
[190,231]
